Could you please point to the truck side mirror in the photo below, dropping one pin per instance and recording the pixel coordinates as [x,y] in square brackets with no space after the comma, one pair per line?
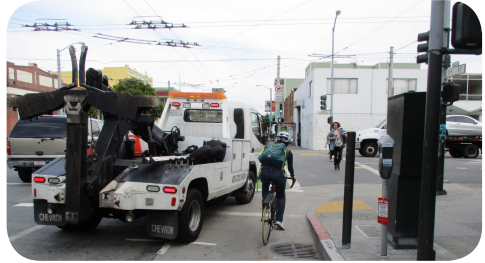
[386,149]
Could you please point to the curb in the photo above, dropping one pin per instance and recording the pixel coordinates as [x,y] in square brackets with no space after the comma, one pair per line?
[325,244]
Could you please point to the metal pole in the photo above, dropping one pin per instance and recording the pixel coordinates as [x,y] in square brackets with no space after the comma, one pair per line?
[271,102]
[348,190]
[390,88]
[277,84]
[383,226]
[59,80]
[180,85]
[332,80]
[431,135]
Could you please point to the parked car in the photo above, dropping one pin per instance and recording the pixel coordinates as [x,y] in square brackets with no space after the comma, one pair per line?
[458,125]
[34,143]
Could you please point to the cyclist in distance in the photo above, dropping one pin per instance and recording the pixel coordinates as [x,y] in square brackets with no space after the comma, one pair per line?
[273,158]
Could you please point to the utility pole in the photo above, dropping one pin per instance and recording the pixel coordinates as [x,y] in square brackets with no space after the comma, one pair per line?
[431,134]
[440,189]
[390,81]
[277,84]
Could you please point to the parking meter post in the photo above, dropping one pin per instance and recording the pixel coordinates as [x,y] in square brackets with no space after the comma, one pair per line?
[384,227]
[348,190]
[386,151]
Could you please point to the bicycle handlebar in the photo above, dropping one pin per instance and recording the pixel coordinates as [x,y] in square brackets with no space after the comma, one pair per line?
[293,183]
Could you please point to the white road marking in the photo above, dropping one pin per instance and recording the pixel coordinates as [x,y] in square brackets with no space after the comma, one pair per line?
[25,204]
[203,244]
[368,168]
[222,213]
[296,188]
[25,232]
[19,184]
[164,249]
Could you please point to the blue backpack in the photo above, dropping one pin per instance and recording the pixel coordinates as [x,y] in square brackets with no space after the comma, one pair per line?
[273,155]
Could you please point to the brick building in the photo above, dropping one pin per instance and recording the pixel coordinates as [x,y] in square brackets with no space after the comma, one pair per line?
[26,79]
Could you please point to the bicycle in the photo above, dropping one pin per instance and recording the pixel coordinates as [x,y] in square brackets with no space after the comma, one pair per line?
[270,206]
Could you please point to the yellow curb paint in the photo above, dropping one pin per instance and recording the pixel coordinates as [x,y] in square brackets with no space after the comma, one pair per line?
[338,206]
[377,195]
[461,168]
[358,167]
[308,153]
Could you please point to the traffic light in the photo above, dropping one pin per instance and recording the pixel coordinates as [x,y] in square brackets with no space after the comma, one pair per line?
[330,120]
[281,108]
[466,32]
[323,102]
[423,58]
[450,93]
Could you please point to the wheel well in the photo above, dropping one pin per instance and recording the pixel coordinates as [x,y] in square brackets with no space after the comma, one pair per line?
[252,168]
[201,185]
[365,141]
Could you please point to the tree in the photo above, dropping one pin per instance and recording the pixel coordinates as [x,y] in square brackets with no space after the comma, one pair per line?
[137,87]
[93,112]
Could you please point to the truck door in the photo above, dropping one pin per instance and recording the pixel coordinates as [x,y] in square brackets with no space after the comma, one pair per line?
[237,147]
[246,154]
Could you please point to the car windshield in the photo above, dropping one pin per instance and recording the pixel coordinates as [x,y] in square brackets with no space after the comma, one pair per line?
[381,123]
[43,127]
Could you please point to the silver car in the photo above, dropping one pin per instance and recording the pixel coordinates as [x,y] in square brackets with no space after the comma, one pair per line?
[458,125]
[34,143]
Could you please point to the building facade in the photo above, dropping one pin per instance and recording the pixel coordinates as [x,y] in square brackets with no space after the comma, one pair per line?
[115,74]
[360,97]
[26,79]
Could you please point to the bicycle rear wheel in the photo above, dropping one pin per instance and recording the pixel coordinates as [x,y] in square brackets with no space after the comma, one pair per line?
[266,224]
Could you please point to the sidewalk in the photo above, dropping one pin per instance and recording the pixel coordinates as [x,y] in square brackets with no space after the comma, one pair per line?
[458,224]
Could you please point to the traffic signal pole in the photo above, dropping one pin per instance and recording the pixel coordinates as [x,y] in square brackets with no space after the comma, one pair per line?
[431,134]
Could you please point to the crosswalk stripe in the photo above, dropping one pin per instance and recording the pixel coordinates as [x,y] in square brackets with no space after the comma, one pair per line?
[25,204]
[25,232]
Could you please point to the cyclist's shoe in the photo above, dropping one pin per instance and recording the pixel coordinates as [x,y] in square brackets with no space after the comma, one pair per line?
[280,226]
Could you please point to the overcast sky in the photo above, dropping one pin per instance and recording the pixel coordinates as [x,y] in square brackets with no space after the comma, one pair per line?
[239,40]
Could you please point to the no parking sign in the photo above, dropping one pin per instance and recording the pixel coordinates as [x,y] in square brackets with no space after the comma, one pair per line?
[383,211]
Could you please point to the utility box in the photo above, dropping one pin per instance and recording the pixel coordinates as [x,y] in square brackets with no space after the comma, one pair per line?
[405,124]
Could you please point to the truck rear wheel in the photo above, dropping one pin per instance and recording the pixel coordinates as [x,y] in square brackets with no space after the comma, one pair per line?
[88,225]
[369,149]
[25,175]
[456,153]
[248,190]
[470,151]
[191,217]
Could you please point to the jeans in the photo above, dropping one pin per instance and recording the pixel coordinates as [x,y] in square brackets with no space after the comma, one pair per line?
[337,153]
[274,174]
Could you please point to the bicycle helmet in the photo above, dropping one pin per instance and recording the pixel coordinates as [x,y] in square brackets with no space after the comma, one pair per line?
[283,136]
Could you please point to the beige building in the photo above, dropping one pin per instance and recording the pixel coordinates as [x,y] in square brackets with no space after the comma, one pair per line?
[114,74]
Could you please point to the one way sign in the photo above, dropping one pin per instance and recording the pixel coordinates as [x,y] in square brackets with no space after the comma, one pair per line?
[456,70]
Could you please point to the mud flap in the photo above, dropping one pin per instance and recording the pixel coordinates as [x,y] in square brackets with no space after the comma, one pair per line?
[162,224]
[41,216]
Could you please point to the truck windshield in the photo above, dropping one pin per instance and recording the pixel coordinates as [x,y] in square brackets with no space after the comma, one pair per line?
[381,123]
[43,127]
[203,115]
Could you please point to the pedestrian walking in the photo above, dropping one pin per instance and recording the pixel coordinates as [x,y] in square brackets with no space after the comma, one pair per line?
[335,136]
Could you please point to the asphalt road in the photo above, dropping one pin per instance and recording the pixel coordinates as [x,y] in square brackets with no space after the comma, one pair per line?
[230,232]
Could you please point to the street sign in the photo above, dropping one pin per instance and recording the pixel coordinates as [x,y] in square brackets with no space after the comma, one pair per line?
[383,211]
[277,114]
[461,69]
[278,89]
[455,64]
[267,108]
[279,94]
[270,117]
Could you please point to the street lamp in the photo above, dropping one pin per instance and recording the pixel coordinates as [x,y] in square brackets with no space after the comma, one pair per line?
[59,81]
[332,81]
[270,99]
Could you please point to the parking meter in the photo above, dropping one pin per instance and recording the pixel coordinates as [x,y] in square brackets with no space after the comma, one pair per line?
[386,148]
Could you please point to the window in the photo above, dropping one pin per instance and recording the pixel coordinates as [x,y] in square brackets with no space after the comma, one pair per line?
[342,86]
[310,89]
[210,116]
[403,85]
[464,119]
[451,119]
[255,124]
[95,128]
[42,127]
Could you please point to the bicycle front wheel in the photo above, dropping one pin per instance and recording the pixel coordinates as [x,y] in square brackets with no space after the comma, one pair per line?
[266,224]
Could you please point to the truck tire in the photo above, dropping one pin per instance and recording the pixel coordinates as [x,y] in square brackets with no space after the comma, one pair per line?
[361,152]
[191,217]
[25,175]
[248,190]
[369,149]
[456,152]
[470,151]
[89,225]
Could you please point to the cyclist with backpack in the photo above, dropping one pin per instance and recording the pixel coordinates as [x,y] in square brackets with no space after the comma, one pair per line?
[273,159]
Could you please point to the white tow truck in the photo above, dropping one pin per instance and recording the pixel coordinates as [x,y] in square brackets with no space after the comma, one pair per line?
[210,152]
[366,140]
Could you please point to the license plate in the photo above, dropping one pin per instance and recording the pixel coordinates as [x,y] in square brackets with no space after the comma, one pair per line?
[39,162]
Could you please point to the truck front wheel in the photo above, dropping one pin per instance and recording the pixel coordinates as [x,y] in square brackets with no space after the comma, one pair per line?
[248,190]
[25,175]
[470,151]
[369,149]
[191,217]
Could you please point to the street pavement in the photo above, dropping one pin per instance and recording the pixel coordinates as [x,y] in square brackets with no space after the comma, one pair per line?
[458,223]
[233,232]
